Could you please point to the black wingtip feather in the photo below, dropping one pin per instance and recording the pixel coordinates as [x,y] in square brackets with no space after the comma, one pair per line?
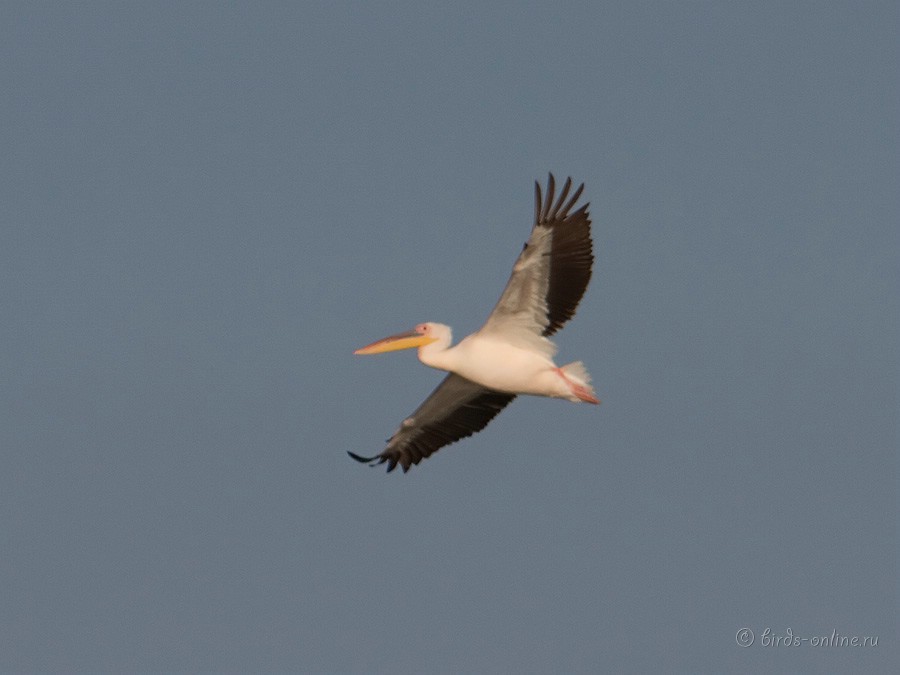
[548,203]
[557,211]
[574,199]
[391,460]
[371,461]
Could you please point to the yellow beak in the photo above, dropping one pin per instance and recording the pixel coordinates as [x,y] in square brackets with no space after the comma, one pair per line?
[393,343]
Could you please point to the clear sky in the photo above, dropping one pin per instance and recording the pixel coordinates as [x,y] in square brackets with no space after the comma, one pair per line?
[205,208]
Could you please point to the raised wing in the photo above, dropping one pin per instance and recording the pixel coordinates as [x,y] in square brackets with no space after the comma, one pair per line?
[455,409]
[552,272]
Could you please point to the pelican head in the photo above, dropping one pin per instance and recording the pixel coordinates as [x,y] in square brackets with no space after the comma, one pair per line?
[421,335]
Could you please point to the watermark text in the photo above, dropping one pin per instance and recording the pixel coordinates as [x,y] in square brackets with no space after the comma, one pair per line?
[745,637]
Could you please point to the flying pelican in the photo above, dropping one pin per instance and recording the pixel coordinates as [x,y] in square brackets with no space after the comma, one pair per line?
[512,353]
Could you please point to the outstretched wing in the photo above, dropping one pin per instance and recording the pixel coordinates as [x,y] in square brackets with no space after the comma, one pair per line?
[550,275]
[455,409]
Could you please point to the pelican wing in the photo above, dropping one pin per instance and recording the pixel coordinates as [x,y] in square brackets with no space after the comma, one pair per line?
[455,409]
[550,275]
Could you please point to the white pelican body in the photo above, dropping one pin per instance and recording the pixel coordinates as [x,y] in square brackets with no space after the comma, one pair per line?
[512,353]
[495,363]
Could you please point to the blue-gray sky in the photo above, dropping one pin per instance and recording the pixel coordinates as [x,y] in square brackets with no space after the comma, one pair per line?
[204,209]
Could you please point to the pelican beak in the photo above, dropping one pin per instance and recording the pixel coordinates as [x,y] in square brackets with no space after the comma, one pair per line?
[393,343]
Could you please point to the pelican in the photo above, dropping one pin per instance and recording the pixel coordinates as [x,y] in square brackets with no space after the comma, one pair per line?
[511,353]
